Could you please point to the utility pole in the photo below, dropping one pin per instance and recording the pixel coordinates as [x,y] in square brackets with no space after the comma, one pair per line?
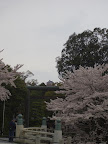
[27,109]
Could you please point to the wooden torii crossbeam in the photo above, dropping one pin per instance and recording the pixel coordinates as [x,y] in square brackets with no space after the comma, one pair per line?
[46,88]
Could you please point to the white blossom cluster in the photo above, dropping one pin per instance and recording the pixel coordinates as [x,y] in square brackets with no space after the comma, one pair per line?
[7,76]
[86,95]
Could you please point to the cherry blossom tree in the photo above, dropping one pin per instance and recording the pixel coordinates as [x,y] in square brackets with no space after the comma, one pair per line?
[85,102]
[7,76]
[86,95]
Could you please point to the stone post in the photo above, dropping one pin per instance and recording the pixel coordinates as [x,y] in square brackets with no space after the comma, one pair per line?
[69,139]
[19,126]
[44,123]
[37,141]
[57,133]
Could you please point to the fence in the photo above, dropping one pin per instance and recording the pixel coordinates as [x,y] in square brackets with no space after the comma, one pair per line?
[38,135]
[35,136]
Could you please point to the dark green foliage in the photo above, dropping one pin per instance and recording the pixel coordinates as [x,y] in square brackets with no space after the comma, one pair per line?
[14,105]
[18,96]
[85,49]
[38,106]
[17,104]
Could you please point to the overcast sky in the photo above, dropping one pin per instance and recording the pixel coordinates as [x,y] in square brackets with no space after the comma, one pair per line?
[32,32]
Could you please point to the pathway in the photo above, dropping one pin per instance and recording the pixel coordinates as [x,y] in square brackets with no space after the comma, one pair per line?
[5,141]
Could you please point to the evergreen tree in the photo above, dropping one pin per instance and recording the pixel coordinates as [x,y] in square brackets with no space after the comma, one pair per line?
[86,49]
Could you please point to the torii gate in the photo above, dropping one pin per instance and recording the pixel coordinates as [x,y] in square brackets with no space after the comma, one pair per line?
[44,88]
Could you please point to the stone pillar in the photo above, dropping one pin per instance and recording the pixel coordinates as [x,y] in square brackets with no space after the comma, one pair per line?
[44,123]
[37,140]
[19,125]
[57,133]
[69,139]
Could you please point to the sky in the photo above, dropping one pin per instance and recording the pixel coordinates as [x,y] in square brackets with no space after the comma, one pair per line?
[33,32]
